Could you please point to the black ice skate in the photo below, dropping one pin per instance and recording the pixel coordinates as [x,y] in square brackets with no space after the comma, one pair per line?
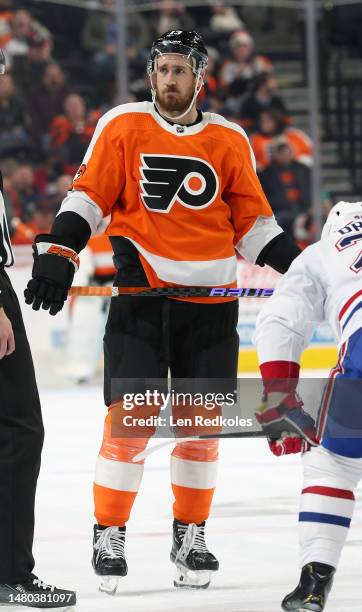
[313,588]
[108,556]
[35,593]
[194,562]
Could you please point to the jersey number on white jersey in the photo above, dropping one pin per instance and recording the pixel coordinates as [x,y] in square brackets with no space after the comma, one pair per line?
[348,240]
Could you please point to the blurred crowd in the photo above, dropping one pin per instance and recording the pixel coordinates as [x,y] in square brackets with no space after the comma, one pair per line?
[61,79]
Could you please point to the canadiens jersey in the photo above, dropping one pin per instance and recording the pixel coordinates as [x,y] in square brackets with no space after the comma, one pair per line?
[323,283]
[184,196]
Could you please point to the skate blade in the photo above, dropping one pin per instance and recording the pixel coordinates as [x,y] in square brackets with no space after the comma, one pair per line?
[191,579]
[109,584]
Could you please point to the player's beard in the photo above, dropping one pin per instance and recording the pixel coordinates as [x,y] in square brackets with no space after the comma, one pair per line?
[172,101]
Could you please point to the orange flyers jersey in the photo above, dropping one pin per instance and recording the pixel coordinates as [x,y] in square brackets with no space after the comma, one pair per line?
[185,196]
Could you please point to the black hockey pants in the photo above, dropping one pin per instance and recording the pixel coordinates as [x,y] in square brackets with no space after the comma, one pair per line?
[21,440]
[147,337]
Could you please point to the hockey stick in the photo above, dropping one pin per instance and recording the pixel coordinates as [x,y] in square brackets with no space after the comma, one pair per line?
[239,434]
[236,292]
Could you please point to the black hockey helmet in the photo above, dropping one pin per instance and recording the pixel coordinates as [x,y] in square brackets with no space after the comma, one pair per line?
[180,42]
[2,62]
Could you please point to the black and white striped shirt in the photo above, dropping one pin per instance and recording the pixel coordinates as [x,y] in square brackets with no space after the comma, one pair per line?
[6,252]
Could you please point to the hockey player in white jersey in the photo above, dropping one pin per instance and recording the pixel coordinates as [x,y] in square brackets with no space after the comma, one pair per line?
[323,282]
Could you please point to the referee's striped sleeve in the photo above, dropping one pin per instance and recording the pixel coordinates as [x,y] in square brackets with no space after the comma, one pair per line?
[6,252]
[2,288]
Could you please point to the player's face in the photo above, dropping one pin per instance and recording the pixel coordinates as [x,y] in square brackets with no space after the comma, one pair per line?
[174,83]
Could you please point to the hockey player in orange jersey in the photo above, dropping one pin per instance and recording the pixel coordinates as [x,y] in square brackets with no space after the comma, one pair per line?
[183,194]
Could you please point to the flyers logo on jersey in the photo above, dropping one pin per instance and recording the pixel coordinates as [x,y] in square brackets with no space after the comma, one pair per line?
[171,178]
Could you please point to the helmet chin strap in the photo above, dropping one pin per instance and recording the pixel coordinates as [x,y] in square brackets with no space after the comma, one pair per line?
[199,83]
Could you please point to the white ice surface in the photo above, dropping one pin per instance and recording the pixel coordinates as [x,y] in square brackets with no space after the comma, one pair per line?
[252,529]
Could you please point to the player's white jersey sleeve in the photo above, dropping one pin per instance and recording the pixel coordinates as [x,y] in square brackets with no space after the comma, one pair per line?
[285,323]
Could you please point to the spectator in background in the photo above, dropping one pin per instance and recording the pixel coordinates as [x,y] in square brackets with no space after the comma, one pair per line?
[173,16]
[14,138]
[271,124]
[71,133]
[63,185]
[39,56]
[286,184]
[30,43]
[224,19]
[263,97]
[25,33]
[46,102]
[23,182]
[237,72]
[20,34]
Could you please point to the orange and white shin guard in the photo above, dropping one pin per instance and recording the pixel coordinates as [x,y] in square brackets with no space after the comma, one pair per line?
[194,466]
[193,478]
[117,478]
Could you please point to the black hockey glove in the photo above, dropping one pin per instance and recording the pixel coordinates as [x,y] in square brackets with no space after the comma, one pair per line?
[52,275]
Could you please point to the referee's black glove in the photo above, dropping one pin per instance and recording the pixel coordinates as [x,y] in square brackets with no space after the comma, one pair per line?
[53,270]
